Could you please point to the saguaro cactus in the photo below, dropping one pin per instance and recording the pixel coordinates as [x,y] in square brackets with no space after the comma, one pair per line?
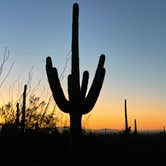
[80,102]
[23,109]
[135,127]
[127,129]
[164,130]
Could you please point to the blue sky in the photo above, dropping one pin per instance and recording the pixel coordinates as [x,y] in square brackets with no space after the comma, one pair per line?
[131,33]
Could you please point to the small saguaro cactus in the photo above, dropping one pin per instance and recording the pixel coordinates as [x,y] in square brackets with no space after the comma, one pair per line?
[23,109]
[80,102]
[127,129]
[164,131]
[135,127]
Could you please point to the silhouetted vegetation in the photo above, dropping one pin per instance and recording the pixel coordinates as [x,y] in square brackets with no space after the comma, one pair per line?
[23,110]
[30,114]
[127,129]
[29,135]
[135,126]
[44,149]
[3,74]
[80,102]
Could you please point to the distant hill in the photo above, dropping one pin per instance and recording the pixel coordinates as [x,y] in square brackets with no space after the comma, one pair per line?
[111,131]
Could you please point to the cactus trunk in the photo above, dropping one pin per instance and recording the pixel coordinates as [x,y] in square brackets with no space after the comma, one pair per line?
[75,51]
[75,124]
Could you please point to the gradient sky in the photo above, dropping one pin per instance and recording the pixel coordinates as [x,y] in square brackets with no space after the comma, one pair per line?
[131,33]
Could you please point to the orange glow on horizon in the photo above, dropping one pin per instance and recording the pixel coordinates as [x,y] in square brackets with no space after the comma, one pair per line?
[111,116]
[109,113]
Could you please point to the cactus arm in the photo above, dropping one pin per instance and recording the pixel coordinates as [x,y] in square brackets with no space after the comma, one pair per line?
[94,92]
[95,87]
[55,86]
[101,62]
[84,85]
[75,53]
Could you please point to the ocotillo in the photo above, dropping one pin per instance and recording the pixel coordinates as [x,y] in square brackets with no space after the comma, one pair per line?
[80,102]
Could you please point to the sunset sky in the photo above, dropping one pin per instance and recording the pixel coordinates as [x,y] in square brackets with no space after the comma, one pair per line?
[131,33]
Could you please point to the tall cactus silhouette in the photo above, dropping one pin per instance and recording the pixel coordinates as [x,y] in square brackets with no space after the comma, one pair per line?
[23,110]
[135,127]
[127,129]
[80,102]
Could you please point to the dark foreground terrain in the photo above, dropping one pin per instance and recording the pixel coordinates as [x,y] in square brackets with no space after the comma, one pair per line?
[110,149]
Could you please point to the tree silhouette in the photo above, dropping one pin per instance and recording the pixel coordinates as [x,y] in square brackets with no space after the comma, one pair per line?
[80,102]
